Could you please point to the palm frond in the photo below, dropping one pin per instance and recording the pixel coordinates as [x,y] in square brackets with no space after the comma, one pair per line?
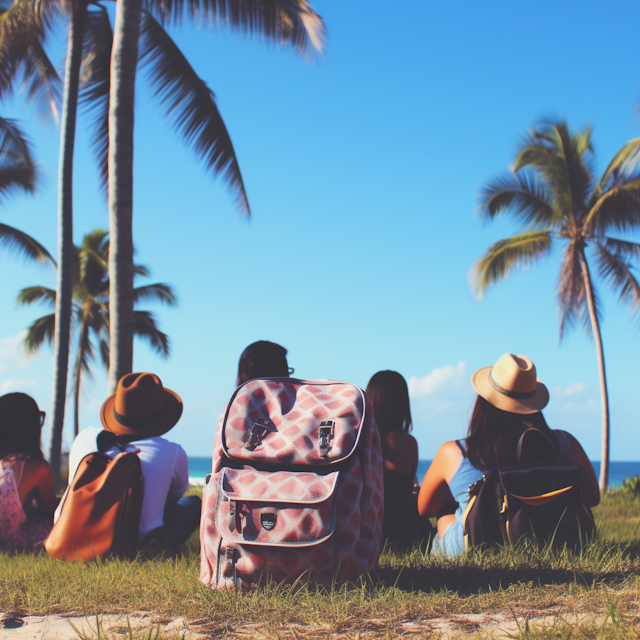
[521,250]
[624,249]
[563,164]
[104,352]
[617,272]
[29,295]
[617,209]
[141,270]
[144,326]
[625,160]
[520,195]
[86,352]
[17,240]
[96,241]
[159,292]
[42,82]
[17,168]
[283,22]
[23,31]
[96,83]
[39,332]
[93,273]
[191,105]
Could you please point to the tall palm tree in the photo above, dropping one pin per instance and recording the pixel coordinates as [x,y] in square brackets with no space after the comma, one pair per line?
[23,29]
[553,192]
[18,172]
[191,105]
[91,311]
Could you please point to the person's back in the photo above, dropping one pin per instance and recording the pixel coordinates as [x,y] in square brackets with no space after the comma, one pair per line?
[389,397]
[134,419]
[510,400]
[27,496]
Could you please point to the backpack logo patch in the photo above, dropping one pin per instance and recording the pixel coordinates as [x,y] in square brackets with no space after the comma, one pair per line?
[268,520]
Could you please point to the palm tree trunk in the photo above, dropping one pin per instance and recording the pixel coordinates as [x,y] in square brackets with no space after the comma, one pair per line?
[77,374]
[604,463]
[124,60]
[65,234]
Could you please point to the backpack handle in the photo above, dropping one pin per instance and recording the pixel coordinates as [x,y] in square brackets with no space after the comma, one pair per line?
[537,433]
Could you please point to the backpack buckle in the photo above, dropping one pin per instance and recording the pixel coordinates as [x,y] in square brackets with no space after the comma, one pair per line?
[326,433]
[259,432]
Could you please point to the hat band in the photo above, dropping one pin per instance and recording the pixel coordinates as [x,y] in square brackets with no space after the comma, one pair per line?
[139,422]
[516,395]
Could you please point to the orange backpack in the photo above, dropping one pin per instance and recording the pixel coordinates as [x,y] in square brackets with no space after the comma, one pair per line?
[101,511]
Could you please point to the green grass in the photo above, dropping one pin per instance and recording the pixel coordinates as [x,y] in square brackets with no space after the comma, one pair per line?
[602,580]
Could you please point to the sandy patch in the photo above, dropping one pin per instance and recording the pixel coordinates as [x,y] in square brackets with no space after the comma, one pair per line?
[14,626]
[485,625]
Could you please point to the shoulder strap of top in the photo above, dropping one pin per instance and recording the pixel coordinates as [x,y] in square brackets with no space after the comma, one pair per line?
[463,447]
[15,461]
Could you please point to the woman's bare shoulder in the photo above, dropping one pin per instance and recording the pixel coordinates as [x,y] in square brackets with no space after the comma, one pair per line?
[36,467]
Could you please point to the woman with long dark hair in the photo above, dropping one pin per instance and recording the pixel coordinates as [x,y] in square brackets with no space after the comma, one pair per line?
[388,394]
[510,401]
[27,493]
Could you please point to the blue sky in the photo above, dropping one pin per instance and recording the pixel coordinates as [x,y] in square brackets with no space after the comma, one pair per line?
[363,170]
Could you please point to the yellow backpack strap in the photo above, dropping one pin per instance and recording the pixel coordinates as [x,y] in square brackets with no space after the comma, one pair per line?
[467,509]
[536,501]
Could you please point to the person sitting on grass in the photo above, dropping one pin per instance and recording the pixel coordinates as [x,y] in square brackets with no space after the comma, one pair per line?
[134,418]
[510,401]
[388,394]
[27,495]
[263,359]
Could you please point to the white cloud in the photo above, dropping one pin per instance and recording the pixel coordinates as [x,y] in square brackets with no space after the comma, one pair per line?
[447,376]
[12,355]
[567,394]
[9,386]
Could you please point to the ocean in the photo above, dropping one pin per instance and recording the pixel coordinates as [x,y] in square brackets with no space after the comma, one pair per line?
[618,471]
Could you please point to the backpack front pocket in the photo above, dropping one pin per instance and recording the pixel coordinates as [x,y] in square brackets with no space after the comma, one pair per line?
[282,508]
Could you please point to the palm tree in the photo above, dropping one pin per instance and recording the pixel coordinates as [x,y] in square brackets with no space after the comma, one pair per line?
[191,105]
[553,192]
[18,171]
[23,30]
[91,311]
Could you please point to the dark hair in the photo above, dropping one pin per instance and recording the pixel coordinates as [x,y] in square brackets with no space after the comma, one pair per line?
[493,436]
[20,425]
[263,359]
[389,396]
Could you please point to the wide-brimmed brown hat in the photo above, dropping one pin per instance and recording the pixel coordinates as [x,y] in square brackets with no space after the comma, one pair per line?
[511,384]
[141,406]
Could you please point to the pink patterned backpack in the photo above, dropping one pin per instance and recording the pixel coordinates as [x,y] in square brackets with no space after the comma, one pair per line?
[296,486]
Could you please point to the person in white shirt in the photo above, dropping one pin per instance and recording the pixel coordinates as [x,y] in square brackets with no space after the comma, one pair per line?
[134,419]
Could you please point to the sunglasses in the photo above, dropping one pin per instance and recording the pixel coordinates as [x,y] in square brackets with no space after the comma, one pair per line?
[43,415]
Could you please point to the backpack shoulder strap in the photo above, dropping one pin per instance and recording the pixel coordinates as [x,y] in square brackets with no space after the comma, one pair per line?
[107,440]
[535,440]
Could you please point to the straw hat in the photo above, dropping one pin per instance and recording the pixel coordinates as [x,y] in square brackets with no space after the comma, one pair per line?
[511,385]
[141,406]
